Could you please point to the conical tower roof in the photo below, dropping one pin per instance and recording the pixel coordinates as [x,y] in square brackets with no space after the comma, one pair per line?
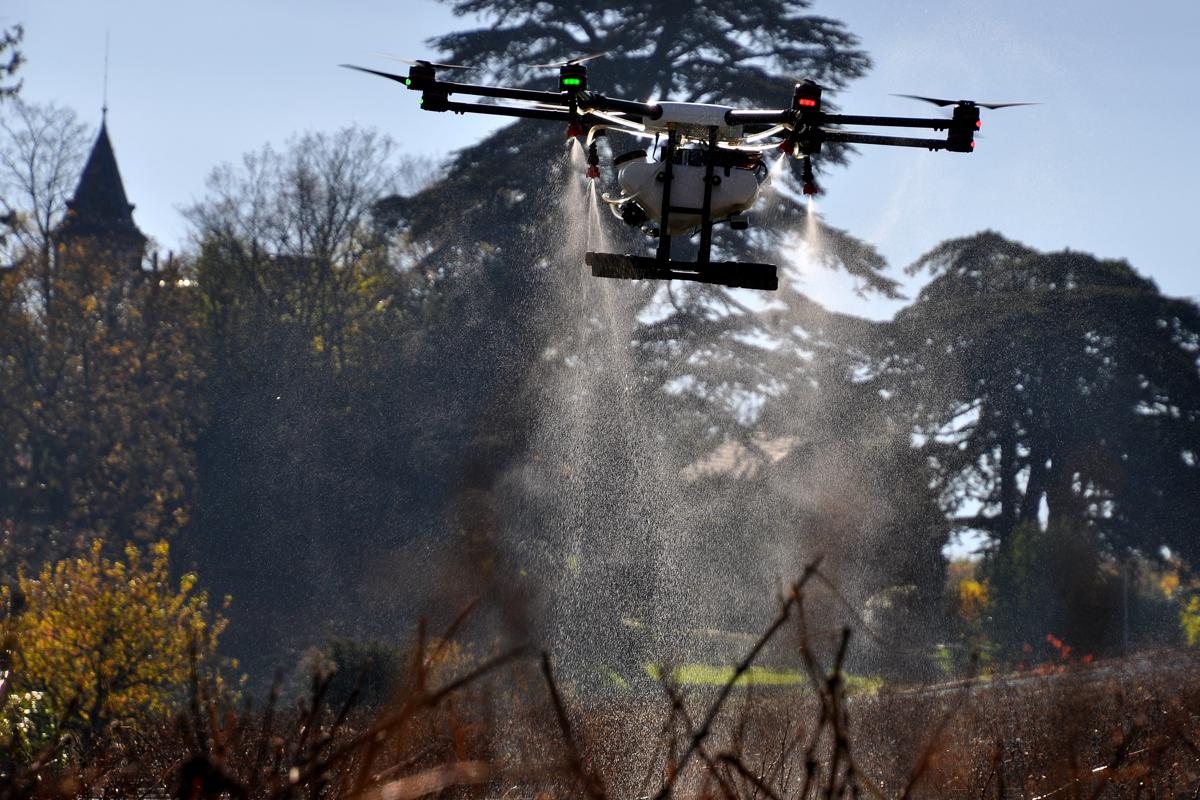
[100,207]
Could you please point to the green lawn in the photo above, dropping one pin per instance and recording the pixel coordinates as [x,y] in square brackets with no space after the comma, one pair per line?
[710,675]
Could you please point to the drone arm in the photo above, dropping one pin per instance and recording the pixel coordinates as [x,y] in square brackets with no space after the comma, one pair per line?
[886,122]
[501,92]
[850,137]
[591,101]
[501,111]
[434,86]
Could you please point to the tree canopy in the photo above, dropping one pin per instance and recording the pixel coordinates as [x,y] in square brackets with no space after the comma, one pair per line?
[10,52]
[1053,387]
[98,372]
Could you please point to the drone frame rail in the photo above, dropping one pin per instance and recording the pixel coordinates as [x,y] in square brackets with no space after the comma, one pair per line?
[435,96]
[808,125]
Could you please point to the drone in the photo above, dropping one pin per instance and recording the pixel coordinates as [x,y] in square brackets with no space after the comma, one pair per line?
[705,165]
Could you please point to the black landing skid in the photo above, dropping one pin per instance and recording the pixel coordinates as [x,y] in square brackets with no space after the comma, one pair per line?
[722,273]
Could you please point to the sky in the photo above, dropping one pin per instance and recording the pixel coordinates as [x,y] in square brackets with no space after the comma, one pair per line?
[1106,163]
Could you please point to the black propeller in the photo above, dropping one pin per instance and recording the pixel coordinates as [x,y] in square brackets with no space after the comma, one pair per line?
[937,101]
[420,62]
[388,75]
[570,62]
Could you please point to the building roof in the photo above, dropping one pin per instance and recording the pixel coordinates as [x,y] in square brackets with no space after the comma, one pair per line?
[733,459]
[100,207]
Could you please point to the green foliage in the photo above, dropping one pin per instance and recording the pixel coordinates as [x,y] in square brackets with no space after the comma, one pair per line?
[11,60]
[98,397]
[1189,620]
[102,640]
[324,389]
[1053,582]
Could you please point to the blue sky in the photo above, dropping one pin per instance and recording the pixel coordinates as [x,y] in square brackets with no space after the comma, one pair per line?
[1106,165]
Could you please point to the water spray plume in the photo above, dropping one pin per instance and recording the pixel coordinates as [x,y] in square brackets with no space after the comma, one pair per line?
[777,168]
[597,240]
[812,228]
[578,156]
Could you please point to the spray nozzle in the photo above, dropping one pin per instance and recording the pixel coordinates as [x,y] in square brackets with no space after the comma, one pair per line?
[593,160]
[574,130]
[810,180]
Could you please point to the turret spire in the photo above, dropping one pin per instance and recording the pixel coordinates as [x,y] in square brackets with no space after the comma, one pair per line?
[100,207]
[104,102]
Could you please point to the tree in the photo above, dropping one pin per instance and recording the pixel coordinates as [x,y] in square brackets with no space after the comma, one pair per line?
[9,44]
[42,150]
[511,249]
[97,412]
[97,403]
[1057,399]
[321,452]
[600,393]
[106,640]
[1056,380]
[11,60]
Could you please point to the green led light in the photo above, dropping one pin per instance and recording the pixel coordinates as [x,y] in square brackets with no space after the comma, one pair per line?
[571,82]
[421,101]
[408,81]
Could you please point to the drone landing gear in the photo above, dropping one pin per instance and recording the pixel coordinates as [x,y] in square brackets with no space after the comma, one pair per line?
[722,273]
[703,270]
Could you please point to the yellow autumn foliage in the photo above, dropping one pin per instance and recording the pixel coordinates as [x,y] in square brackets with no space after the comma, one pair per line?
[973,599]
[111,639]
[1189,620]
[99,375]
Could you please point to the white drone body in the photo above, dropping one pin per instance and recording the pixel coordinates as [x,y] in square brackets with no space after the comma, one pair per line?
[734,191]
[735,185]
[694,121]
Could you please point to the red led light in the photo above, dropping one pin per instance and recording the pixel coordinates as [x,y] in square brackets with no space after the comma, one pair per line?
[978,124]
[807,102]
[972,145]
